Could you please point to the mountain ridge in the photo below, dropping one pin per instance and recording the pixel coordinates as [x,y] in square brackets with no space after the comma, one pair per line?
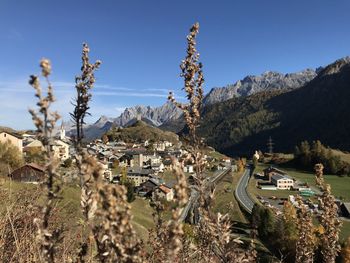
[317,111]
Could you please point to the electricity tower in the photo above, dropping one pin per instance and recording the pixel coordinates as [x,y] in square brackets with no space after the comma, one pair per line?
[270,145]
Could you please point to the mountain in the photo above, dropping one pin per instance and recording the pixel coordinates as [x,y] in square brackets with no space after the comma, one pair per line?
[267,81]
[140,131]
[169,117]
[318,110]
[91,131]
[156,115]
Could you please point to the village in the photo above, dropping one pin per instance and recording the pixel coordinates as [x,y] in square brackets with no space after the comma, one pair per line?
[146,166]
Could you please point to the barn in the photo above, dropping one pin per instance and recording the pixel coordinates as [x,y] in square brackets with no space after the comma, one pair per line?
[28,173]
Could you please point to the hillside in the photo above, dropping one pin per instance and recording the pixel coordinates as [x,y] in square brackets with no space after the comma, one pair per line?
[319,110]
[140,131]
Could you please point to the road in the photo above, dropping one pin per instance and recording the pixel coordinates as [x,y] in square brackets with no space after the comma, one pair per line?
[241,192]
[195,195]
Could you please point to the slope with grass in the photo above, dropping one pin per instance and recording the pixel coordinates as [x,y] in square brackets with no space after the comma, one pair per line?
[139,132]
[224,200]
[68,205]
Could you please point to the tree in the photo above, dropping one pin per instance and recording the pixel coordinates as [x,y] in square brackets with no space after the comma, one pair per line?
[10,158]
[288,235]
[267,223]
[67,163]
[123,176]
[130,187]
[35,155]
[256,216]
[105,139]
[115,164]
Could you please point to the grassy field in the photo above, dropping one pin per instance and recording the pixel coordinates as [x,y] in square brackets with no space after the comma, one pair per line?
[69,205]
[345,231]
[340,189]
[340,185]
[142,217]
[224,200]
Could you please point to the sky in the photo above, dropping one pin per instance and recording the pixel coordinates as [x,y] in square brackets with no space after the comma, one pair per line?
[141,44]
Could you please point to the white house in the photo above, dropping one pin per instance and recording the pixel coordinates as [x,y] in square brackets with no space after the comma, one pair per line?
[158,167]
[60,149]
[12,138]
[165,192]
[168,144]
[282,182]
[188,169]
[159,146]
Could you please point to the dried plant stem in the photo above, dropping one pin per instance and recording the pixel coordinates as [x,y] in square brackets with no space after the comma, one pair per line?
[305,244]
[213,232]
[330,246]
[45,121]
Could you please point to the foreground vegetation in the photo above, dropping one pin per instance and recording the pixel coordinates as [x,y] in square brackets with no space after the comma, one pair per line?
[105,230]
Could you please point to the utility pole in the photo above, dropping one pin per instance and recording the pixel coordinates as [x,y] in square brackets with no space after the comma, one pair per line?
[270,145]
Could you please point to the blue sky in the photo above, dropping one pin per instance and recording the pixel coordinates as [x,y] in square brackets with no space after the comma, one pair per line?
[141,44]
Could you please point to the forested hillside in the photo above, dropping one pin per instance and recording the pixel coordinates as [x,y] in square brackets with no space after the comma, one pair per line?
[319,110]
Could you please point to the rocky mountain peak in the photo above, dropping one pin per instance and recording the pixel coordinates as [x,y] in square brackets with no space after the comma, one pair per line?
[335,67]
[268,80]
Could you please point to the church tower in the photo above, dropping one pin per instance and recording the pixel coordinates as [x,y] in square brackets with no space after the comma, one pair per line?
[62,132]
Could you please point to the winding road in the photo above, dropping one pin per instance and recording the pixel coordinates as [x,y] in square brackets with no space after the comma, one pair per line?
[241,193]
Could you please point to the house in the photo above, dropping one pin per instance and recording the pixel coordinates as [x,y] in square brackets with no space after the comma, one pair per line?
[234,168]
[158,167]
[139,175]
[345,209]
[159,146]
[221,166]
[146,188]
[226,160]
[104,155]
[165,192]
[126,160]
[188,169]
[138,159]
[28,173]
[60,149]
[152,158]
[12,138]
[282,182]
[34,146]
[167,164]
[168,144]
[268,172]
